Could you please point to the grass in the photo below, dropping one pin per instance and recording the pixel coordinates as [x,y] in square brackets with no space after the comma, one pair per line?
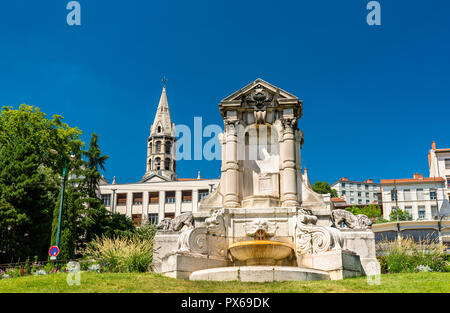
[92,282]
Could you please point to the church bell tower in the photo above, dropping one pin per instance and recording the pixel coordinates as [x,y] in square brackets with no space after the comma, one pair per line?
[161,144]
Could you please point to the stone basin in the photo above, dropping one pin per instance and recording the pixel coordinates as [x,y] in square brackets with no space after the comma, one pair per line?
[260,252]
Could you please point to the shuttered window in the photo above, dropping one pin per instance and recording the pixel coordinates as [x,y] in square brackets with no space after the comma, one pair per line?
[137,198]
[187,196]
[121,199]
[137,219]
[154,197]
[170,197]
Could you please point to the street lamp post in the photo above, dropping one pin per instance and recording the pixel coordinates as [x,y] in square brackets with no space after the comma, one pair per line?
[61,202]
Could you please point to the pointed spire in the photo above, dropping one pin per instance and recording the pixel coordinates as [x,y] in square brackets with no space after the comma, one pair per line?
[114,180]
[163,121]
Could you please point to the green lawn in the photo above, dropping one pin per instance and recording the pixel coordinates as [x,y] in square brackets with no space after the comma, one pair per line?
[150,283]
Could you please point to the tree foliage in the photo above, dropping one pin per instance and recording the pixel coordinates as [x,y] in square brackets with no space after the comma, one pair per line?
[324,188]
[30,186]
[402,215]
[28,179]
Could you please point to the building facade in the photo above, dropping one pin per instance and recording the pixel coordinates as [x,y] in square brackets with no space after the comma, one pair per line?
[357,193]
[421,197]
[439,163]
[160,194]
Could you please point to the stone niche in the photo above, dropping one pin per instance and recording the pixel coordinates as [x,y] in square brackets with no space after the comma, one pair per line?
[264,222]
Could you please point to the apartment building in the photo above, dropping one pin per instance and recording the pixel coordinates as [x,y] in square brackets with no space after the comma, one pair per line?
[356,192]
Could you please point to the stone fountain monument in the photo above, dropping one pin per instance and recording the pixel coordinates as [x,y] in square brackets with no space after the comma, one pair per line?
[264,222]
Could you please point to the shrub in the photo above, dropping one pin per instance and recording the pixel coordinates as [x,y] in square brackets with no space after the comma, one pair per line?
[122,254]
[406,255]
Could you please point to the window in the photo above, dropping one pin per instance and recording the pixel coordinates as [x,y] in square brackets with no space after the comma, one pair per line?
[447,164]
[343,185]
[106,200]
[358,186]
[158,164]
[433,194]
[434,212]
[394,194]
[169,215]
[419,194]
[375,194]
[202,193]
[168,147]
[137,198]
[158,147]
[137,219]
[153,218]
[408,210]
[121,199]
[448,181]
[343,192]
[359,201]
[352,200]
[150,147]
[159,129]
[170,197]
[186,196]
[167,164]
[359,194]
[352,193]
[421,211]
[153,197]
[367,187]
[367,201]
[367,195]
[407,194]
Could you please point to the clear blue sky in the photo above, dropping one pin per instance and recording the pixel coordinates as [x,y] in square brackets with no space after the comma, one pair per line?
[374,97]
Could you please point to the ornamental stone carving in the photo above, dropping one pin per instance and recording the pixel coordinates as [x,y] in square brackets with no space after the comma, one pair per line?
[182,222]
[207,240]
[259,97]
[358,222]
[288,124]
[313,239]
[261,229]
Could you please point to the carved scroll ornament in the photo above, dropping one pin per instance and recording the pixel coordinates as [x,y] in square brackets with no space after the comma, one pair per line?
[312,239]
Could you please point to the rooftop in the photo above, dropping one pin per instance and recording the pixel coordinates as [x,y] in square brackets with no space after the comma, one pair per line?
[418,178]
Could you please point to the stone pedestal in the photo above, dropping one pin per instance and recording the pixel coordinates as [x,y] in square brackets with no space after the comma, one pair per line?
[163,244]
[338,264]
[363,244]
[181,266]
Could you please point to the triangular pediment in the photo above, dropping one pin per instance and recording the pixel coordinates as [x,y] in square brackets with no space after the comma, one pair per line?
[260,95]
[153,178]
[242,93]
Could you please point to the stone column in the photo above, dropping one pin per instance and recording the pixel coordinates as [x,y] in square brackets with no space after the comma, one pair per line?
[129,206]
[145,198]
[177,202]
[288,169]
[162,203]
[194,200]
[231,165]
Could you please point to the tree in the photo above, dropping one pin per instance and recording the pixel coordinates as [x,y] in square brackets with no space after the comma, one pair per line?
[324,188]
[402,215]
[95,162]
[372,211]
[29,178]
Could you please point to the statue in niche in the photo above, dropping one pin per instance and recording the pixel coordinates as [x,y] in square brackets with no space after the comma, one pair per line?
[261,163]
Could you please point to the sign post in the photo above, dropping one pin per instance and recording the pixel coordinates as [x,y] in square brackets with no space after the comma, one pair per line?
[53,252]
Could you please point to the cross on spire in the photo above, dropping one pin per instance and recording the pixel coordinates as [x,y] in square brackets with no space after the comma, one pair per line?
[164,80]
